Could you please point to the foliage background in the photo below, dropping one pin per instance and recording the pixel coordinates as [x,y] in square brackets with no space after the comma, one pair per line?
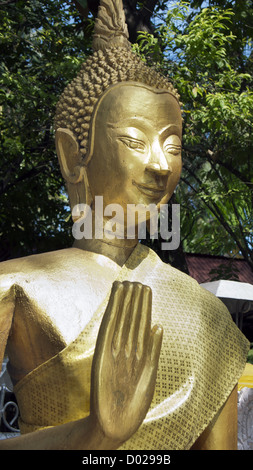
[205,47]
[42,48]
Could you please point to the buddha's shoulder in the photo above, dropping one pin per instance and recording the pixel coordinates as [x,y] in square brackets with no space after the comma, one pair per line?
[165,272]
[197,296]
[193,290]
[36,261]
[183,286]
[52,265]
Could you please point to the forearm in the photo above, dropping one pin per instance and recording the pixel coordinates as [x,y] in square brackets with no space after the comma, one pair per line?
[84,434]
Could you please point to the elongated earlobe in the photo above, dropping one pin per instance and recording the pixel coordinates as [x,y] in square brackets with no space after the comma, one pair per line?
[72,167]
[67,149]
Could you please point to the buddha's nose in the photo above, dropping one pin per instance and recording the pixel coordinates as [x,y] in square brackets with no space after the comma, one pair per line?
[158,162]
[158,169]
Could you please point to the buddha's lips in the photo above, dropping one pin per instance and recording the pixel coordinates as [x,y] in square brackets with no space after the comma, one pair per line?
[149,189]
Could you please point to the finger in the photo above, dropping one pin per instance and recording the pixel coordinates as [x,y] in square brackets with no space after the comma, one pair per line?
[155,345]
[109,320]
[143,330]
[104,342]
[123,319]
[136,313]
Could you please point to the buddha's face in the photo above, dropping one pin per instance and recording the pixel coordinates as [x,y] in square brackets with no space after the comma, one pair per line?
[136,157]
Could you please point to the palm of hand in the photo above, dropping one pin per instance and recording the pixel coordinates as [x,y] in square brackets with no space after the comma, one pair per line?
[125,361]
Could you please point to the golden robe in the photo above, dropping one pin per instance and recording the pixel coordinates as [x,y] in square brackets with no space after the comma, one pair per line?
[203,355]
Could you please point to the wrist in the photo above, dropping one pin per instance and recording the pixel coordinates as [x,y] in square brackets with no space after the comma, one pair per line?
[93,436]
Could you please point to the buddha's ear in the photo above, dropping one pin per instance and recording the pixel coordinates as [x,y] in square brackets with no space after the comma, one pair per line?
[68,153]
[72,168]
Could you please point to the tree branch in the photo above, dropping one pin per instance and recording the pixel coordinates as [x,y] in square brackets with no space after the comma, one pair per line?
[213,157]
[215,210]
[7,2]
[232,201]
[26,175]
[148,9]
[235,172]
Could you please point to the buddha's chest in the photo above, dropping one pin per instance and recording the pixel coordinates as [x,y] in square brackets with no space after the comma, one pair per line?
[51,311]
[62,306]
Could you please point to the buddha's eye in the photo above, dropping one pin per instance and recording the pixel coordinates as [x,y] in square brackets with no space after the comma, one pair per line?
[173,149]
[133,144]
[172,145]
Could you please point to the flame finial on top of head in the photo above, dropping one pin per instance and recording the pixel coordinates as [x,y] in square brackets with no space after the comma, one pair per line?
[110,26]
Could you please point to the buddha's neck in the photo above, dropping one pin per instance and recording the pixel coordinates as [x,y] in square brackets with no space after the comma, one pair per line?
[117,249]
[117,252]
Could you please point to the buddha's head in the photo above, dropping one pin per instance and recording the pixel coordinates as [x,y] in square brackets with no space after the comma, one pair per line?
[118,125]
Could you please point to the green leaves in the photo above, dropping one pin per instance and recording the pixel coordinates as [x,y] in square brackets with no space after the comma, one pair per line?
[42,48]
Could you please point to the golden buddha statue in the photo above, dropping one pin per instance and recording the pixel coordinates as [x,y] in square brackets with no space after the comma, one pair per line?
[118,136]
